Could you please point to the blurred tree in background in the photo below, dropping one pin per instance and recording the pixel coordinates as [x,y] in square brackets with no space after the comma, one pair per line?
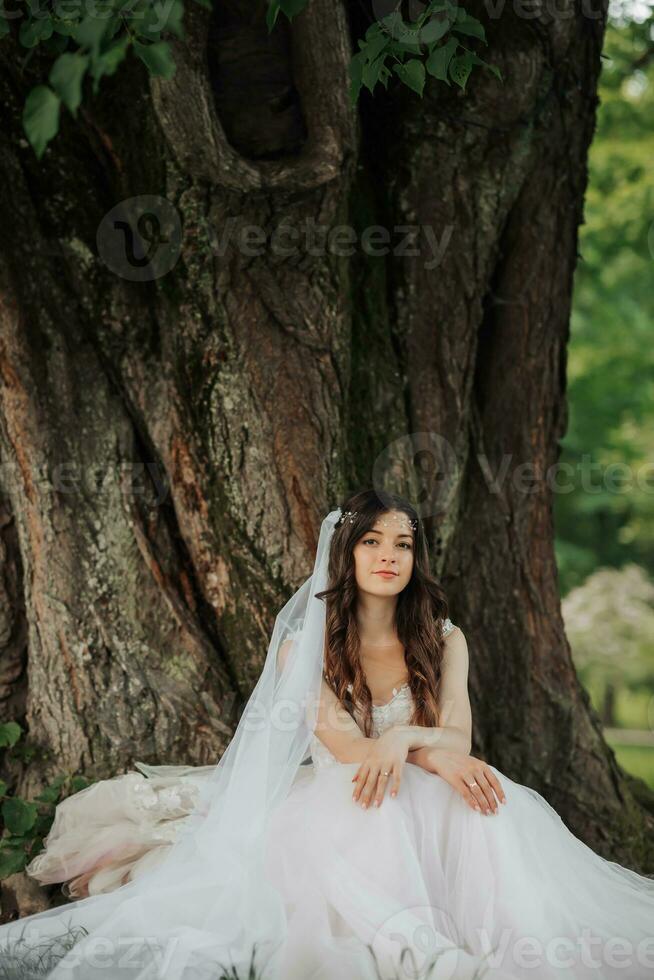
[610,624]
[604,505]
[606,518]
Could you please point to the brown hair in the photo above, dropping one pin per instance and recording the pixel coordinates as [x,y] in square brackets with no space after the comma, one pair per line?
[421,609]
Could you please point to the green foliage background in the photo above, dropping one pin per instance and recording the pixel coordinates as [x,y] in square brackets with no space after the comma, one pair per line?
[605,524]
[609,519]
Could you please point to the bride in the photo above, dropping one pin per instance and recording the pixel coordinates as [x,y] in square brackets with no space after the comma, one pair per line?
[346,832]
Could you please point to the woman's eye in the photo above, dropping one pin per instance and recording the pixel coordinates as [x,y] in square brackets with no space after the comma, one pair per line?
[404,544]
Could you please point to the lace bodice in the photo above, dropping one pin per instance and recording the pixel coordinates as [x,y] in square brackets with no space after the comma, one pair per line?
[397,711]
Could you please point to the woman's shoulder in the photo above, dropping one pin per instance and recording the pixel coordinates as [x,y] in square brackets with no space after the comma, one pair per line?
[448,626]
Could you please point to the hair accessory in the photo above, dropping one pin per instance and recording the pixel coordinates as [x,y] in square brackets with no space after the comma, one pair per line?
[402,520]
[405,519]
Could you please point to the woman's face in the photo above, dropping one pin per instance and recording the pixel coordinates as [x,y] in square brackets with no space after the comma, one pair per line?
[387,547]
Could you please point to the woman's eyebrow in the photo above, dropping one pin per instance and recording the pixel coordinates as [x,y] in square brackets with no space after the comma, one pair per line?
[400,535]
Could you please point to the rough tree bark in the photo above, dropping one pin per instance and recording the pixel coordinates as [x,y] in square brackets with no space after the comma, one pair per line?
[225,406]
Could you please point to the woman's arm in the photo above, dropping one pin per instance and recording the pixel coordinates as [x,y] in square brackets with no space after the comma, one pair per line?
[335,726]
[455,715]
[420,757]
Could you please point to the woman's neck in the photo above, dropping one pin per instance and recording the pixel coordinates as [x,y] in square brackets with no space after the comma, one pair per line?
[375,619]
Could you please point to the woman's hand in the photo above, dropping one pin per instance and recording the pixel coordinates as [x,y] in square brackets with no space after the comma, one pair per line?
[385,760]
[460,771]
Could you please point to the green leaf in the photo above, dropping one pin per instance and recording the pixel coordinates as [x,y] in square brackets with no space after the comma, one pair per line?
[3,788]
[41,117]
[43,823]
[79,782]
[107,62]
[49,795]
[174,21]
[435,28]
[20,840]
[66,76]
[394,24]
[439,60]
[18,815]
[374,30]
[150,25]
[33,31]
[65,27]
[292,7]
[52,792]
[289,7]
[460,68]
[476,60]
[272,14]
[412,73]
[371,72]
[4,27]
[91,31]
[470,26]
[355,71]
[11,862]
[10,732]
[157,57]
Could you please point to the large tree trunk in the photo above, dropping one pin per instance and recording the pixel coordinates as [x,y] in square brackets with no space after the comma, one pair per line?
[170,445]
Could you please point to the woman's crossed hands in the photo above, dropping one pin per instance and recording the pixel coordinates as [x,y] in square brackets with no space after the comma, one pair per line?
[383,763]
[471,777]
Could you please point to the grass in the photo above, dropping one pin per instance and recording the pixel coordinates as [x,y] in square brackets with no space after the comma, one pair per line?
[20,961]
[636,759]
[633,710]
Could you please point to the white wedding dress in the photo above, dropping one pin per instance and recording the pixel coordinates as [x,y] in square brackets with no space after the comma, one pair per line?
[507,896]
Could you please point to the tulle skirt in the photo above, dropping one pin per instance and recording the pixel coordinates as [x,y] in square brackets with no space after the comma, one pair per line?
[422,886]
[514,891]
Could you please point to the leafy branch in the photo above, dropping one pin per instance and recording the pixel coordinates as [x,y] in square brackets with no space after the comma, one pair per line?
[94,44]
[25,823]
[429,45]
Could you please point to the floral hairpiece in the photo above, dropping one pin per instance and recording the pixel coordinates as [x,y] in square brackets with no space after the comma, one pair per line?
[351,514]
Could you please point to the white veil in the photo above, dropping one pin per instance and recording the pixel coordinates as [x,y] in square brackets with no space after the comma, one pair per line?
[208,903]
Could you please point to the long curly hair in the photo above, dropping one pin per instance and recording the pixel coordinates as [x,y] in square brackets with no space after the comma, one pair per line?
[420,612]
